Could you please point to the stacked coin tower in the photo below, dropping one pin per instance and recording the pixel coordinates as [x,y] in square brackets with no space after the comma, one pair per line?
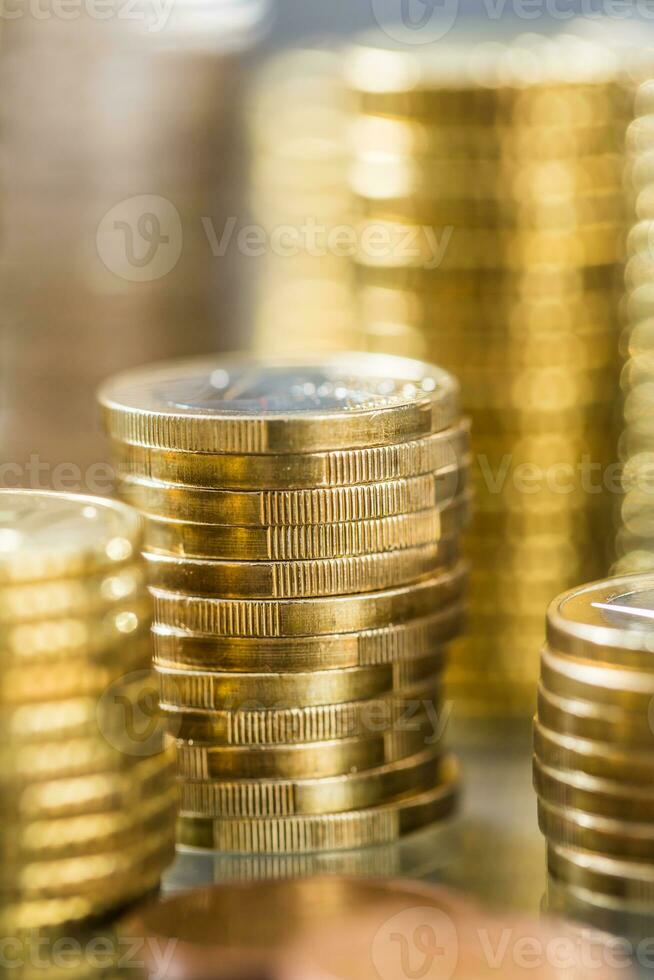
[491,175]
[89,796]
[593,740]
[298,123]
[635,544]
[302,526]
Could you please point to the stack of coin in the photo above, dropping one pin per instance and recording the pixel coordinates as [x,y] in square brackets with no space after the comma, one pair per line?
[302,528]
[635,544]
[88,793]
[298,120]
[593,741]
[488,178]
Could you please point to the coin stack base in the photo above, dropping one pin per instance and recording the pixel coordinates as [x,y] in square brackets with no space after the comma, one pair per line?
[302,526]
[593,741]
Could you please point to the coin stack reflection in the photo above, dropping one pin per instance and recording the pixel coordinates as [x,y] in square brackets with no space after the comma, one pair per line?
[635,544]
[493,175]
[593,740]
[302,526]
[88,789]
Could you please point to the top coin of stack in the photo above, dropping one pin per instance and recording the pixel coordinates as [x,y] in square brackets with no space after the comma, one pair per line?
[302,525]
[491,176]
[635,544]
[88,805]
[594,734]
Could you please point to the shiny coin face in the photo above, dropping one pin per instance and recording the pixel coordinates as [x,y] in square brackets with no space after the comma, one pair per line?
[49,535]
[254,406]
[630,610]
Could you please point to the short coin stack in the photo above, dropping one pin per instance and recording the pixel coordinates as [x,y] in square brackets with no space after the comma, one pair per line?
[302,525]
[635,544]
[489,178]
[88,790]
[593,741]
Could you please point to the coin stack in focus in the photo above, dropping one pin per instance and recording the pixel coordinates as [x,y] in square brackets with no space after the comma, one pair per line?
[635,543]
[491,176]
[298,123]
[302,528]
[593,740]
[88,791]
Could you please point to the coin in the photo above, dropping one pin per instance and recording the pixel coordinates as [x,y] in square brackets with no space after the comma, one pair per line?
[213,690]
[47,535]
[299,470]
[356,791]
[282,508]
[245,406]
[601,759]
[632,690]
[385,645]
[629,880]
[300,760]
[405,709]
[590,720]
[332,831]
[577,828]
[601,797]
[308,617]
[309,542]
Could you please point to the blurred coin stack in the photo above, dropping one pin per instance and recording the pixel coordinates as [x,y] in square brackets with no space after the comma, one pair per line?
[488,183]
[593,740]
[302,538]
[635,544]
[298,123]
[88,789]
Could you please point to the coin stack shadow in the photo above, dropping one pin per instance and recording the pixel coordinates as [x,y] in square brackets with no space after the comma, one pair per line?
[593,764]
[635,542]
[493,174]
[303,550]
[89,796]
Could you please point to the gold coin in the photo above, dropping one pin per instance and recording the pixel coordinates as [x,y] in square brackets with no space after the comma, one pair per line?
[84,835]
[69,637]
[94,792]
[333,757]
[279,406]
[309,617]
[91,595]
[596,758]
[404,709]
[590,720]
[386,645]
[335,794]
[299,579]
[577,828]
[30,685]
[297,471]
[329,832]
[553,142]
[628,880]
[119,886]
[213,690]
[100,877]
[282,508]
[629,689]
[47,535]
[606,621]
[299,543]
[602,797]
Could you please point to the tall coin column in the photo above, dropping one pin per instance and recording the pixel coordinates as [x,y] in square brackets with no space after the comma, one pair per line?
[593,765]
[302,536]
[492,177]
[88,791]
[635,543]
